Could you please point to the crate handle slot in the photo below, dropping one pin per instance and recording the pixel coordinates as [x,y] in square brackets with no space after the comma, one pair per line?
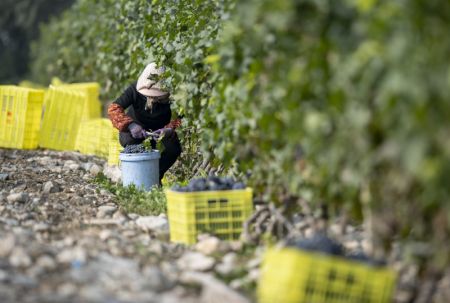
[221,201]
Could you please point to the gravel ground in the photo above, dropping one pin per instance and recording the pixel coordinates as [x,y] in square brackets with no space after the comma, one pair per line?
[63,239]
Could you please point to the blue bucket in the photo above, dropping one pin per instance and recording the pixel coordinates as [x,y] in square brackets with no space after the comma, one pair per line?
[141,169]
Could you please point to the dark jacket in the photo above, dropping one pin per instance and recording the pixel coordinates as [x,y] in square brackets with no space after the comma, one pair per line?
[156,118]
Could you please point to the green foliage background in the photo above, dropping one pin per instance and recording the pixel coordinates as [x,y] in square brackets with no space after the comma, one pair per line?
[344,102]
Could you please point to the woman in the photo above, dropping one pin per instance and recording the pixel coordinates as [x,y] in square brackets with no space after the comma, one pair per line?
[148,109]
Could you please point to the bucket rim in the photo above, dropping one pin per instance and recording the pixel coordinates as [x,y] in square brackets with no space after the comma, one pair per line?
[154,154]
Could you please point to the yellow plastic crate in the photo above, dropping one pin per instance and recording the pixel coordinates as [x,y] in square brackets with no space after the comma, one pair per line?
[221,213]
[92,106]
[289,275]
[114,151]
[63,110]
[20,116]
[94,136]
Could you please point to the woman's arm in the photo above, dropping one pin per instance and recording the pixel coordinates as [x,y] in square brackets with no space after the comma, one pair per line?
[116,111]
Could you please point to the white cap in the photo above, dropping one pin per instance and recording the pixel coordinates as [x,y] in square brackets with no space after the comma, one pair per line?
[149,87]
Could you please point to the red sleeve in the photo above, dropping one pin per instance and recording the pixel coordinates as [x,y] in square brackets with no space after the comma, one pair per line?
[118,117]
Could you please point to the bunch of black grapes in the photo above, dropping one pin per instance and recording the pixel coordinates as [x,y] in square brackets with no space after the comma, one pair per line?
[323,244]
[134,149]
[209,184]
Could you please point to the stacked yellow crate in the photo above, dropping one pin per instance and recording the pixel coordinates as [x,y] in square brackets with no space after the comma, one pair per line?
[94,137]
[20,116]
[92,105]
[63,112]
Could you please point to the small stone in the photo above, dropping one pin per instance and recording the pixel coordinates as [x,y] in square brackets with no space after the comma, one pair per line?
[208,245]
[86,166]
[69,255]
[253,275]
[71,165]
[45,161]
[46,262]
[113,173]
[67,289]
[50,187]
[19,258]
[4,276]
[105,234]
[6,245]
[133,216]
[56,169]
[254,263]
[4,177]
[106,211]
[17,197]
[236,245]
[228,264]
[195,261]
[95,170]
[40,227]
[153,223]
[155,279]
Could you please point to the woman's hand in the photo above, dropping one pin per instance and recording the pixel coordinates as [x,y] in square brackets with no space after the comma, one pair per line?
[137,131]
[166,133]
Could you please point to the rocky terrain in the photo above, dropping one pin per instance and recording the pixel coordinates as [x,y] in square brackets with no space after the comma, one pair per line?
[63,239]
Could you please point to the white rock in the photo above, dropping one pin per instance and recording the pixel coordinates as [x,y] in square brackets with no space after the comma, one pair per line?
[105,234]
[4,275]
[41,227]
[71,254]
[95,170]
[113,173]
[253,275]
[195,261]
[17,197]
[74,166]
[71,165]
[133,216]
[6,245]
[105,211]
[45,161]
[46,262]
[153,223]
[208,245]
[19,258]
[228,264]
[104,192]
[49,187]
[155,279]
[86,166]
[56,169]
[254,263]
[67,289]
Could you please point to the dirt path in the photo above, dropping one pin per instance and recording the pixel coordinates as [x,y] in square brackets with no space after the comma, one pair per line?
[62,239]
